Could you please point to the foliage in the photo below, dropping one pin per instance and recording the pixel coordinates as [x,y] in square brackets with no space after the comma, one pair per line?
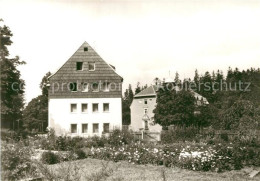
[176,134]
[15,161]
[242,115]
[12,86]
[64,171]
[80,154]
[13,136]
[35,115]
[201,158]
[207,116]
[126,103]
[174,108]
[50,158]
[44,84]
[118,138]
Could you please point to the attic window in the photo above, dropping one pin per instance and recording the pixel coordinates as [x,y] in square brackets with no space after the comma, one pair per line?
[91,66]
[73,87]
[79,65]
[85,49]
[95,87]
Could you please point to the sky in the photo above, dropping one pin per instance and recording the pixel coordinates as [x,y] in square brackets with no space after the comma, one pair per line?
[142,39]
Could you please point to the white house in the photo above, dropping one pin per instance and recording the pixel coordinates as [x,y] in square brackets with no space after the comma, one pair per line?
[85,96]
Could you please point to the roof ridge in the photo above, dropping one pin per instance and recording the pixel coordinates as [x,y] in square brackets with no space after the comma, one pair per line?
[146,94]
[82,45]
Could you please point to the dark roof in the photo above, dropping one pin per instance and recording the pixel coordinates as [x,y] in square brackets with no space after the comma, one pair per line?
[102,69]
[68,73]
[150,91]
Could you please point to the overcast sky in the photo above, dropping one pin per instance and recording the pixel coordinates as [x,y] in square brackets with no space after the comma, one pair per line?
[142,39]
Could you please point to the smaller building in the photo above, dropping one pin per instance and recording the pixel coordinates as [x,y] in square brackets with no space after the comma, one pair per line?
[142,116]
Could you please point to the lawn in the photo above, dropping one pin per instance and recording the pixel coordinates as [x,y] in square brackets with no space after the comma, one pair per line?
[93,169]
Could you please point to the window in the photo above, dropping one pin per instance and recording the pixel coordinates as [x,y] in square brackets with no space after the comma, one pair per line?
[105,107]
[84,108]
[106,127]
[84,87]
[85,49]
[106,86]
[145,111]
[73,108]
[73,128]
[95,128]
[91,66]
[73,87]
[146,125]
[79,66]
[84,128]
[95,87]
[95,107]
[145,101]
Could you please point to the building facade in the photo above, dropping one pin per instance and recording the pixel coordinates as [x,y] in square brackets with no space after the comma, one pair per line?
[85,96]
[142,116]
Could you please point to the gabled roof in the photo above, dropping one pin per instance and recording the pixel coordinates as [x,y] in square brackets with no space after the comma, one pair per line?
[150,91]
[68,69]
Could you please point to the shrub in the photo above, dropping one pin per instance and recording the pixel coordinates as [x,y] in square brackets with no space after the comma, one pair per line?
[15,162]
[80,154]
[50,158]
[224,136]
[176,134]
[118,138]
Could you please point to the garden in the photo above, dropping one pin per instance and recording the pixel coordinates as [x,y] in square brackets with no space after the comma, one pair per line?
[27,156]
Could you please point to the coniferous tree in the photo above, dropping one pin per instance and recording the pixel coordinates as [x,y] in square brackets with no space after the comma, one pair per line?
[196,79]
[138,88]
[126,103]
[177,79]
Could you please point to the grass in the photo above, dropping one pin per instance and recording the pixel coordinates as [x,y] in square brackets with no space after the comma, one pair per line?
[93,170]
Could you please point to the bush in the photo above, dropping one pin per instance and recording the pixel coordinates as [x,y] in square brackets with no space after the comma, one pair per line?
[15,162]
[224,137]
[80,154]
[118,138]
[50,158]
[16,136]
[176,134]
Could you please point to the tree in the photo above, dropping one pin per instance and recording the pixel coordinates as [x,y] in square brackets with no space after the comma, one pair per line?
[138,88]
[196,78]
[174,108]
[12,86]
[206,115]
[126,103]
[206,87]
[177,79]
[44,84]
[242,115]
[36,112]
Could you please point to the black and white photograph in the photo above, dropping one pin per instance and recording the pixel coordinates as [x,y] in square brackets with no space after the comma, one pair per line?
[130,90]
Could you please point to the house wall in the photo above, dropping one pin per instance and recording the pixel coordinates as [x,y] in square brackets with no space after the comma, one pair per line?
[61,118]
[137,113]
